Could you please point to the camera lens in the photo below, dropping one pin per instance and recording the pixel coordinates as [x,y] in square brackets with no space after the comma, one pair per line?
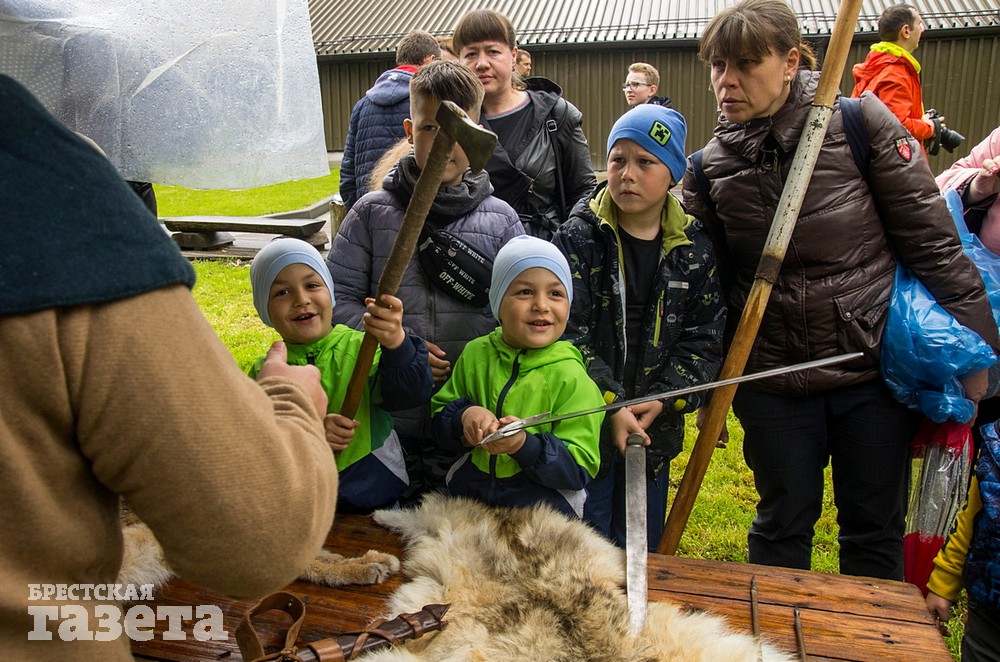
[943,136]
[951,139]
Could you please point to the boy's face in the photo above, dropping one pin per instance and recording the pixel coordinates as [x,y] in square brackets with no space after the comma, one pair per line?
[534,310]
[638,181]
[421,127]
[638,90]
[299,305]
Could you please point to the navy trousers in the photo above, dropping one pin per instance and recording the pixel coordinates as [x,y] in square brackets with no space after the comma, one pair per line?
[865,435]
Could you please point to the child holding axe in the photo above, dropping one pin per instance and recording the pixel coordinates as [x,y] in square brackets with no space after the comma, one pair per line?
[294,294]
[445,295]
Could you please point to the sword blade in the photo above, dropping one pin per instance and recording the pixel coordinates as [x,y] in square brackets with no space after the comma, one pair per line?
[537,420]
[636,544]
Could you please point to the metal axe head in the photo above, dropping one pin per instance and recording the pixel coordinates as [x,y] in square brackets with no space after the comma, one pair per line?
[477,143]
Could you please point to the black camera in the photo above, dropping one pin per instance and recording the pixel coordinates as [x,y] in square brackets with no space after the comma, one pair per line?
[943,136]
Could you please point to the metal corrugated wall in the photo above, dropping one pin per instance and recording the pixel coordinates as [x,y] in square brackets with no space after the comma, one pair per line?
[592,81]
[961,78]
[342,83]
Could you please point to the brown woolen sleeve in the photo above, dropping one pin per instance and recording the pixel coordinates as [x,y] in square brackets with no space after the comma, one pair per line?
[235,478]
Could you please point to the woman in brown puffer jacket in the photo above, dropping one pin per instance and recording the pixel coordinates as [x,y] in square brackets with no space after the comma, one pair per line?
[832,293]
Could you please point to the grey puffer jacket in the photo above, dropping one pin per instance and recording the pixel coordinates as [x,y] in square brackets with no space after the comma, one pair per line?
[832,293]
[359,254]
[531,184]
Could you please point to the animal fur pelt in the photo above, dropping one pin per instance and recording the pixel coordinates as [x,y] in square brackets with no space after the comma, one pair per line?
[143,561]
[532,584]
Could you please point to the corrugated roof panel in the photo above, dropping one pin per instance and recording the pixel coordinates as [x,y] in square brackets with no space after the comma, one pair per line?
[373,26]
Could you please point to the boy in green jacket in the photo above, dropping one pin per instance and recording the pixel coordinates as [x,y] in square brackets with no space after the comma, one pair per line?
[293,292]
[519,370]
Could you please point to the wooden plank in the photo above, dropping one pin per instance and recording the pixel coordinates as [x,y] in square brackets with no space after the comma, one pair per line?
[833,636]
[843,618]
[292,227]
[788,587]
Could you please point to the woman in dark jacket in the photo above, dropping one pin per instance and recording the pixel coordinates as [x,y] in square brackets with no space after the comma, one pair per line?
[832,293]
[541,166]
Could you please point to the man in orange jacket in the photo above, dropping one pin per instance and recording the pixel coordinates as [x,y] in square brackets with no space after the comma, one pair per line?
[892,73]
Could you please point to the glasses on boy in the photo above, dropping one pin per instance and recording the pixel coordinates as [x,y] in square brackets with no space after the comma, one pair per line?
[634,85]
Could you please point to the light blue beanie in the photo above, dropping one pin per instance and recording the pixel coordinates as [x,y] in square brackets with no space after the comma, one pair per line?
[519,254]
[661,131]
[272,259]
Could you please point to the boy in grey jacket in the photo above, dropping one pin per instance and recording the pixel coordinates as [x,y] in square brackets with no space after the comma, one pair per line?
[464,209]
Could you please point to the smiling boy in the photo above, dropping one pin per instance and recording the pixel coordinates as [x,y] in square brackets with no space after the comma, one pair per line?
[294,294]
[647,315]
[519,370]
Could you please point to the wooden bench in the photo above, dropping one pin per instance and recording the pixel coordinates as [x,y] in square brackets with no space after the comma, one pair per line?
[210,232]
[842,618]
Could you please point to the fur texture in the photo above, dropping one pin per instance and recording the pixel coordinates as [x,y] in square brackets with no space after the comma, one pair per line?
[532,584]
[143,562]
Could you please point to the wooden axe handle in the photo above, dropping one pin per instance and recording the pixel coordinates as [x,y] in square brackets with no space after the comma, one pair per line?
[424,192]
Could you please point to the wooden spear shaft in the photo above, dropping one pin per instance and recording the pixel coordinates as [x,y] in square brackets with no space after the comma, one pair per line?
[789,205]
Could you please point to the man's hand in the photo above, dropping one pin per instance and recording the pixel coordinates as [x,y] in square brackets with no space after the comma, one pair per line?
[624,423]
[440,368]
[385,321]
[307,376]
[930,122]
[339,431]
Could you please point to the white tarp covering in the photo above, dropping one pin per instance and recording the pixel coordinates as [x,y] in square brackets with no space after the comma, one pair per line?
[199,93]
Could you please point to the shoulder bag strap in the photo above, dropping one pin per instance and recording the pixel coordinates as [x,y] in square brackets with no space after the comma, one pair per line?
[552,126]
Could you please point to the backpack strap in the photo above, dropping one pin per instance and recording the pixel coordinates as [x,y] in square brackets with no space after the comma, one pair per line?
[702,180]
[552,126]
[857,136]
[857,140]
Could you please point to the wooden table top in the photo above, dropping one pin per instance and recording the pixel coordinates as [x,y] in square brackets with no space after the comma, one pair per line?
[842,618]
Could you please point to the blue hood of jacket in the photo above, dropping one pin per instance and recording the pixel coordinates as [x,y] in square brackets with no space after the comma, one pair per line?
[391,87]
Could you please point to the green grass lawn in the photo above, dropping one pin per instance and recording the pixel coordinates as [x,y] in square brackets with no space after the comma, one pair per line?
[288,196]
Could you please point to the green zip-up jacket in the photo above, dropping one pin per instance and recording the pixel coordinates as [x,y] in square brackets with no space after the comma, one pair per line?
[399,379]
[557,460]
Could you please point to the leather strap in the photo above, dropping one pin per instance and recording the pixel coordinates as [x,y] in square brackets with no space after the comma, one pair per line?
[341,648]
[328,650]
[246,636]
[373,629]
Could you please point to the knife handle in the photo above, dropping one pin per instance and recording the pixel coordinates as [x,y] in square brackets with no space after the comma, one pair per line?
[635,439]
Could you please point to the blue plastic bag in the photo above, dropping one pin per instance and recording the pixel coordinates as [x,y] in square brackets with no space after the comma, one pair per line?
[924,349]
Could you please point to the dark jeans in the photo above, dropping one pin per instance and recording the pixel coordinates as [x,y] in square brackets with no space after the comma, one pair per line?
[605,506]
[788,441]
[981,641]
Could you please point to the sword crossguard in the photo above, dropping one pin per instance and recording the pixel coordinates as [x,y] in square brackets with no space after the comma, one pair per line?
[635,439]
